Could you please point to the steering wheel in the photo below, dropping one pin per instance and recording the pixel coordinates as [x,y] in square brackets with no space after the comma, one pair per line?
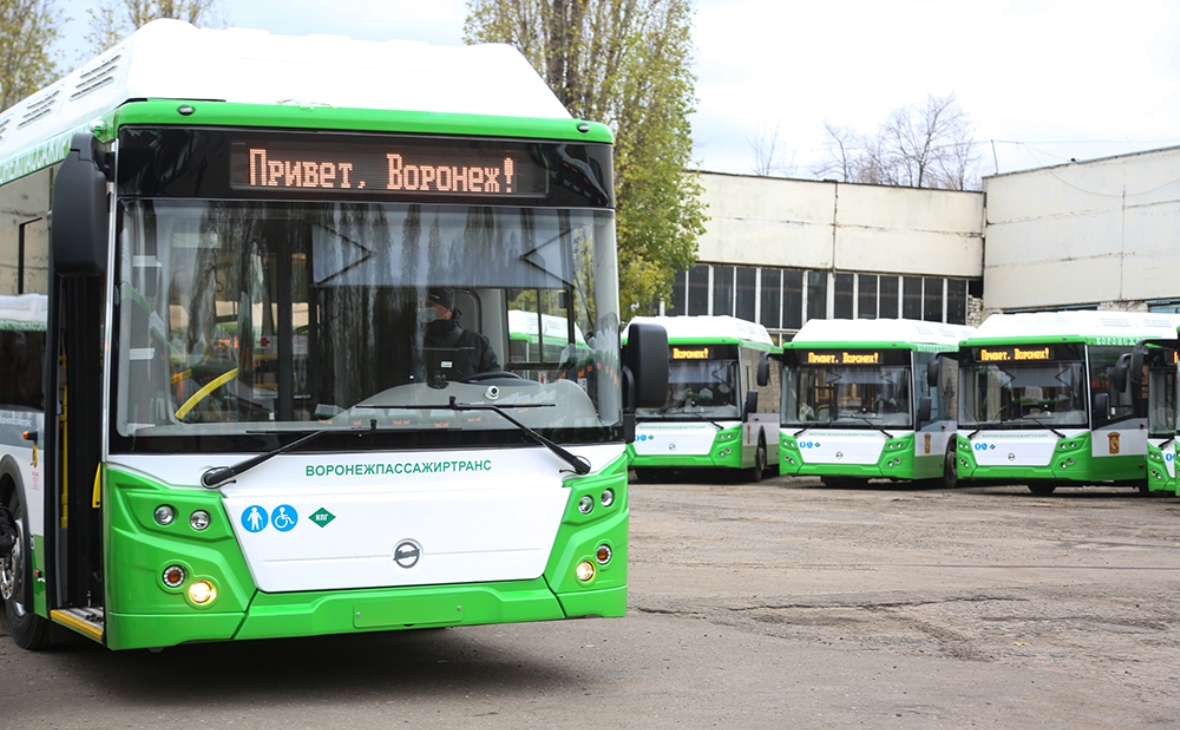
[490,375]
[204,392]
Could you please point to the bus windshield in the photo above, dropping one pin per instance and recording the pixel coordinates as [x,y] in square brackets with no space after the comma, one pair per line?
[236,317]
[699,389]
[849,397]
[1161,400]
[1022,395]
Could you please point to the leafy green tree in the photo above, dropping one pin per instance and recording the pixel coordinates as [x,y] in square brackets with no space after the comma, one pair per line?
[625,63]
[28,29]
[114,20]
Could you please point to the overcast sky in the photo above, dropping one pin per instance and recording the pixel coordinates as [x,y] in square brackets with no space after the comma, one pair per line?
[1042,81]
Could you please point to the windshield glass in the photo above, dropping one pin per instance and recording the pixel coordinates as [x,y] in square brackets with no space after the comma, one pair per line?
[852,397]
[236,317]
[699,389]
[1018,395]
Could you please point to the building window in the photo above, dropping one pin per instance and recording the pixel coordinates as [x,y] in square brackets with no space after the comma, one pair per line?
[745,298]
[932,300]
[792,299]
[817,295]
[911,297]
[679,292]
[866,300]
[772,295]
[698,290]
[956,301]
[888,307]
[842,304]
[722,290]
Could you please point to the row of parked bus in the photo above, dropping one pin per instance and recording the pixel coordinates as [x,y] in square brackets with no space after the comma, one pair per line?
[1044,399]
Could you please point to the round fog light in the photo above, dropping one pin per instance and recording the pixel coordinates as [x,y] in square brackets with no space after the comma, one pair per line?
[586,505]
[173,576]
[608,497]
[165,514]
[603,554]
[202,592]
[585,571]
[199,520]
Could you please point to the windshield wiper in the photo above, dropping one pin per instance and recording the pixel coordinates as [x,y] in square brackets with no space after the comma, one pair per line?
[580,464]
[873,425]
[217,476]
[1045,425]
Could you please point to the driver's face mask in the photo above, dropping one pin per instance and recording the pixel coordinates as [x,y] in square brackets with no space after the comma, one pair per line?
[427,315]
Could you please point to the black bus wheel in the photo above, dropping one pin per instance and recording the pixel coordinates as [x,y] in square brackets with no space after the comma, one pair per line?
[29,630]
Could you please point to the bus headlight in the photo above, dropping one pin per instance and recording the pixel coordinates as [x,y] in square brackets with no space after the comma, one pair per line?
[164,514]
[585,571]
[586,504]
[199,520]
[608,497]
[202,592]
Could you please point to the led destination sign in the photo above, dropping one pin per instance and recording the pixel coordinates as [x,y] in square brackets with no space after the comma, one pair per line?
[1013,354]
[690,353]
[844,357]
[387,165]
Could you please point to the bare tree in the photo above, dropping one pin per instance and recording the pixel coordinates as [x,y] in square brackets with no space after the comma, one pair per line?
[28,29]
[769,153]
[927,146]
[114,20]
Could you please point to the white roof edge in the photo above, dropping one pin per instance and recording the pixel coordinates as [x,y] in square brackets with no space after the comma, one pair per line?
[171,59]
[881,330]
[688,328]
[1082,323]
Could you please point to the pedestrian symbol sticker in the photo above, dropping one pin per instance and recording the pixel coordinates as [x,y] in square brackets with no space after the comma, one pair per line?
[284,517]
[254,519]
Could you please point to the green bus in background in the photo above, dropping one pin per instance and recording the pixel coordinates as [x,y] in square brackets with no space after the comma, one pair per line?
[1161,360]
[721,411]
[224,414]
[870,399]
[1047,399]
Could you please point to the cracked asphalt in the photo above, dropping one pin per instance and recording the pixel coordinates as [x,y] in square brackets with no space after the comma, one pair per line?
[778,605]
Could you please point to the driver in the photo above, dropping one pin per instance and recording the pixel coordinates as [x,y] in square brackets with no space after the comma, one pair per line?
[442,329]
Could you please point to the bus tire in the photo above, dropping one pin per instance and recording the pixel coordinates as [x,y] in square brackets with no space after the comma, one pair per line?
[755,473]
[950,467]
[1042,490]
[29,630]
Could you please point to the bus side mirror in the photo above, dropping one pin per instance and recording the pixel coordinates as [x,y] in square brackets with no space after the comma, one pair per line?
[751,403]
[933,371]
[923,410]
[645,367]
[78,229]
[764,371]
[1119,374]
[1102,405]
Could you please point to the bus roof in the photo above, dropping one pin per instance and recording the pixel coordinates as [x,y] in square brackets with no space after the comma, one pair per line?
[171,59]
[24,312]
[895,332]
[686,329]
[1095,327]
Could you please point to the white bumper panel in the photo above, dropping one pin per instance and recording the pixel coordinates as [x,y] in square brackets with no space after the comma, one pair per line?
[1016,448]
[677,439]
[819,446]
[320,522]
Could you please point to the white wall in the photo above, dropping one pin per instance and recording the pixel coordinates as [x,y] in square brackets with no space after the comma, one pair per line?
[759,221]
[1100,231]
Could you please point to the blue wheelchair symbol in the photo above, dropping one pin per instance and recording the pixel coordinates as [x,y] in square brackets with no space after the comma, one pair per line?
[254,518]
[284,517]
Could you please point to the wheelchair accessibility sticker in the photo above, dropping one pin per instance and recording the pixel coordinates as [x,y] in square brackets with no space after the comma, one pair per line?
[283,518]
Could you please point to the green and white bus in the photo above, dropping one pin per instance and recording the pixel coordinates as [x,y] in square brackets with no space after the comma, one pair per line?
[1161,358]
[722,400]
[870,399]
[1045,399]
[236,426]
